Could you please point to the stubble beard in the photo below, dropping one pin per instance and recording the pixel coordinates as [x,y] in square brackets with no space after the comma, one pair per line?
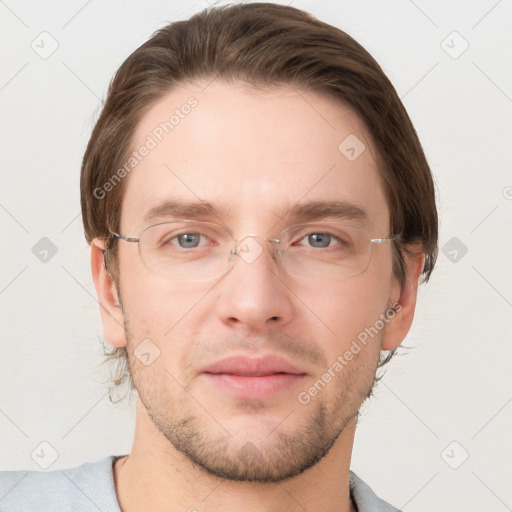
[237,457]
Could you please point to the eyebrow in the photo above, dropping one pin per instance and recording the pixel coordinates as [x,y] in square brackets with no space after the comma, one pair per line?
[313,210]
[183,209]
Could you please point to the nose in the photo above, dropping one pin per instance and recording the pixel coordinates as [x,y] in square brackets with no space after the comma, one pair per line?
[255,296]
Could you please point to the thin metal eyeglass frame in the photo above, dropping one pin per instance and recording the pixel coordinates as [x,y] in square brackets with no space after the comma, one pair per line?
[237,241]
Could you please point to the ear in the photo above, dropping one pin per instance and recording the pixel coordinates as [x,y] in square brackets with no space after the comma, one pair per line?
[405,298]
[111,311]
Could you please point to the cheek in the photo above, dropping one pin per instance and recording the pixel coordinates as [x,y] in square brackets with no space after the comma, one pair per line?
[163,311]
[155,308]
[349,309]
[150,301]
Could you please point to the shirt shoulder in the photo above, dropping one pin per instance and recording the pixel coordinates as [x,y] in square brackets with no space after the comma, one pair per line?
[365,499]
[85,488]
[90,487]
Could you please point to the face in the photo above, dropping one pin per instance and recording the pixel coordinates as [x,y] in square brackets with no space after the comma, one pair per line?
[234,359]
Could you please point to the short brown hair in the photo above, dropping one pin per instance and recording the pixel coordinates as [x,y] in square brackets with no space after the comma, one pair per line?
[262,45]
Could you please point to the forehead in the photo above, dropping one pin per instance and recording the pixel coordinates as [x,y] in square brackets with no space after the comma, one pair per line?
[253,154]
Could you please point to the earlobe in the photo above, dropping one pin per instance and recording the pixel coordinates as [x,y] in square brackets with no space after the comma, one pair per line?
[110,304]
[398,327]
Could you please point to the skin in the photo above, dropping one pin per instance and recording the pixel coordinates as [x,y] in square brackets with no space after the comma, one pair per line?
[254,152]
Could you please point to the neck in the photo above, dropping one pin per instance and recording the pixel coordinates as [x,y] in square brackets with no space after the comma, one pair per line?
[155,476]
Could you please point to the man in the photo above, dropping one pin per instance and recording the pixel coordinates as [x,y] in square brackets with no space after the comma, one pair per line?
[260,213]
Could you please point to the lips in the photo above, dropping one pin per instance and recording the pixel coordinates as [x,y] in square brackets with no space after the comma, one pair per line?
[253,367]
[253,378]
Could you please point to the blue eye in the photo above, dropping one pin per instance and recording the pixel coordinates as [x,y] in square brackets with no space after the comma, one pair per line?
[189,240]
[319,239]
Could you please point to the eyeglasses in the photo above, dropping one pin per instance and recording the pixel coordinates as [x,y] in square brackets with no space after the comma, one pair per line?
[197,250]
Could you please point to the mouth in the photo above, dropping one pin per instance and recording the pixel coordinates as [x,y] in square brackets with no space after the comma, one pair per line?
[253,378]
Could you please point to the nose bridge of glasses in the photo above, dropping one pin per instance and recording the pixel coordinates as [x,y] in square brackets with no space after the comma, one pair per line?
[248,248]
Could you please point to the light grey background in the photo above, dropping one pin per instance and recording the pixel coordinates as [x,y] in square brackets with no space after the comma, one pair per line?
[448,397]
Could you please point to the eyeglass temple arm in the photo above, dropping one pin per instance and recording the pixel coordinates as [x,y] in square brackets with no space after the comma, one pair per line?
[383,240]
[126,238]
